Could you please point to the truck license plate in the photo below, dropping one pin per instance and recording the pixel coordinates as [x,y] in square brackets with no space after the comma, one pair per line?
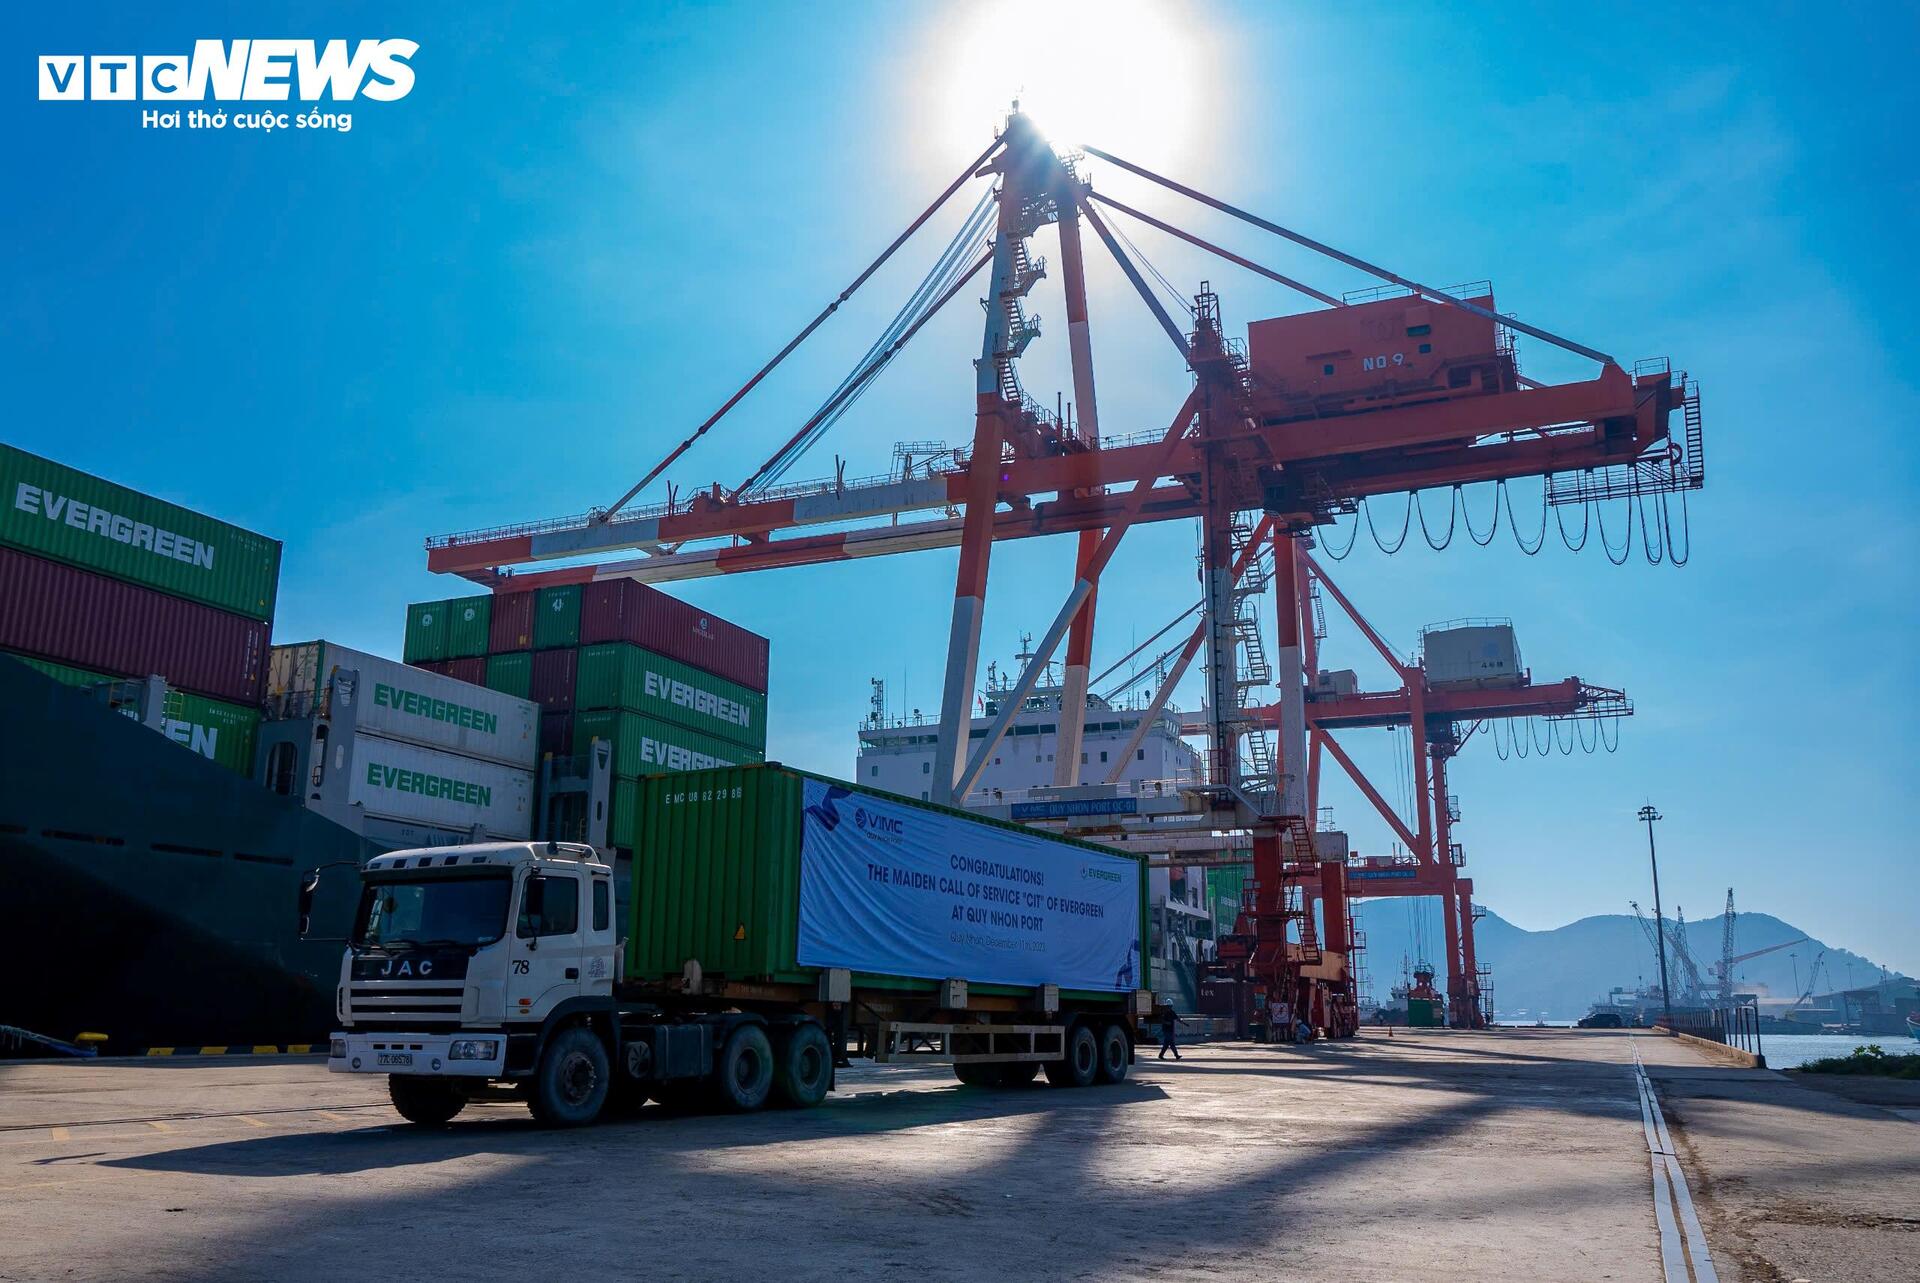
[395,1058]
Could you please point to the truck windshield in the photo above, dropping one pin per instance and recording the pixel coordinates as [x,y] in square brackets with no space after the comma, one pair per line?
[443,911]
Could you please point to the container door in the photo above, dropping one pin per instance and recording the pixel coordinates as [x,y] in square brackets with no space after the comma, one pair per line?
[549,943]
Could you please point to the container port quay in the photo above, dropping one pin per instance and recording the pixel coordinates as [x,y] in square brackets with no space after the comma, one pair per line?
[506,949]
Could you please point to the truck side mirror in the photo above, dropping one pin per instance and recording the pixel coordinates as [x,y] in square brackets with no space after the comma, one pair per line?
[308,885]
[533,905]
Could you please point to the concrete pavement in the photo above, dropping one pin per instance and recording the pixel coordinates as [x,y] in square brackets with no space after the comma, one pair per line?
[1506,1155]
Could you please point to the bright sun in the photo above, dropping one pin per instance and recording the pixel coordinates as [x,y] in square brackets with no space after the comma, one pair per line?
[1127,75]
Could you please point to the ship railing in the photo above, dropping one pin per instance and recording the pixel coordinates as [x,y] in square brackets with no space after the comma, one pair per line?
[1165,787]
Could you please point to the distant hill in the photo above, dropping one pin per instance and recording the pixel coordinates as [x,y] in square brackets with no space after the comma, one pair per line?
[1559,973]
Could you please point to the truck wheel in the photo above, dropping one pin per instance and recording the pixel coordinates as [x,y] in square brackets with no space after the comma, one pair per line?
[1116,1054]
[743,1074]
[975,1074]
[430,1102]
[806,1067]
[1081,1065]
[570,1085]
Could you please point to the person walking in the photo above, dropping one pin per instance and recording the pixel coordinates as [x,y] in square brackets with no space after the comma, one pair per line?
[1169,1025]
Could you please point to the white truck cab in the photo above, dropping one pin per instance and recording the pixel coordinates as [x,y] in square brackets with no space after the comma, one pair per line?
[459,956]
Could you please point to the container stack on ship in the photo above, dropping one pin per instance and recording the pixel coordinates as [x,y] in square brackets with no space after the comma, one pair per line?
[152,877]
[662,685]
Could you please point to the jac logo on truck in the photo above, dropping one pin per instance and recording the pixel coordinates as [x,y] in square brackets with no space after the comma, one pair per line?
[236,71]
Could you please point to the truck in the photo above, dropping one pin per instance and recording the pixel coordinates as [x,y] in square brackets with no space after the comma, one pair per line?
[778,925]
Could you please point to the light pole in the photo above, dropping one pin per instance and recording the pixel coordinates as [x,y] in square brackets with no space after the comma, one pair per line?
[1649,815]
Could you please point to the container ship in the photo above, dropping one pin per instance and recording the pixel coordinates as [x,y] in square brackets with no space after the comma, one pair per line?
[171,777]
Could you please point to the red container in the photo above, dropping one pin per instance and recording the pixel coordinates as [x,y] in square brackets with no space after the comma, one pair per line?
[622,610]
[512,625]
[473,669]
[441,666]
[73,617]
[556,733]
[552,687]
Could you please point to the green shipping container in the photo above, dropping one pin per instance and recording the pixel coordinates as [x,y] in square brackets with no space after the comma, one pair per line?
[214,729]
[647,745]
[556,617]
[1424,1013]
[61,513]
[511,674]
[210,727]
[622,675]
[468,621]
[426,632]
[716,877]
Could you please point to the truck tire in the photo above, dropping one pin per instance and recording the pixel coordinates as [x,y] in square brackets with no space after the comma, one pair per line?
[1116,1054]
[805,1068]
[1080,1067]
[427,1102]
[570,1086]
[743,1072]
[975,1074]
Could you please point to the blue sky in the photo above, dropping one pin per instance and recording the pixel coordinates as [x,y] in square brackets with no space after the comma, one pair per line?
[505,295]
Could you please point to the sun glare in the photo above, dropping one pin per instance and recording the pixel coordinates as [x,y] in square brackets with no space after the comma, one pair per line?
[1127,75]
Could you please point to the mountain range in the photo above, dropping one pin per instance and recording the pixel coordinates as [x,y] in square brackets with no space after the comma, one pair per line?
[1560,973]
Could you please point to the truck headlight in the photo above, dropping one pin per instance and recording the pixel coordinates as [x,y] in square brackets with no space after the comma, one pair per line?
[337,1049]
[474,1049]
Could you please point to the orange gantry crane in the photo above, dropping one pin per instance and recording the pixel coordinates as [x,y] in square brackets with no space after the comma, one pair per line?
[1408,388]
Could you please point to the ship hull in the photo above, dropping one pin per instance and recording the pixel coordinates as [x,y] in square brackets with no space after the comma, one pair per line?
[152,895]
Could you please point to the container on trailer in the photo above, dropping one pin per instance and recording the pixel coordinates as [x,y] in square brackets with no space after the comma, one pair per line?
[55,611]
[472,669]
[552,679]
[766,873]
[469,625]
[391,780]
[556,617]
[512,624]
[402,702]
[556,734]
[511,674]
[643,745]
[73,517]
[622,675]
[1474,654]
[1424,1013]
[426,632]
[622,610]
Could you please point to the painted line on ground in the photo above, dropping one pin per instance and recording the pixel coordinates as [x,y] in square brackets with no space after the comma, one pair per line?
[1670,1191]
[181,1118]
[251,1049]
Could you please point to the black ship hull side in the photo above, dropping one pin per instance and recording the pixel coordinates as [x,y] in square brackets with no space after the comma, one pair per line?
[150,895]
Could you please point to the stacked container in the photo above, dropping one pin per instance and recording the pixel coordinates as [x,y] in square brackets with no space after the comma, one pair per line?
[99,582]
[669,686]
[393,751]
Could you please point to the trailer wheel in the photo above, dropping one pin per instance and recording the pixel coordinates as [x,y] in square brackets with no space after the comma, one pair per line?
[806,1067]
[743,1072]
[1017,1073]
[1116,1054]
[428,1102]
[1081,1065]
[570,1086]
[975,1074]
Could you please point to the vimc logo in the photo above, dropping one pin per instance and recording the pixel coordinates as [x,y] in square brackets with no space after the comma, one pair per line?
[236,71]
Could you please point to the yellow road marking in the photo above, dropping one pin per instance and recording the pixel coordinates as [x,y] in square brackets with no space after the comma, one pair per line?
[213,1051]
[60,1133]
[159,1126]
[159,1051]
[264,1051]
[338,1118]
[250,1120]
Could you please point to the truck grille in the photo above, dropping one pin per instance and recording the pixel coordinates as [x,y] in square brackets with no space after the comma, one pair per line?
[398,1002]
